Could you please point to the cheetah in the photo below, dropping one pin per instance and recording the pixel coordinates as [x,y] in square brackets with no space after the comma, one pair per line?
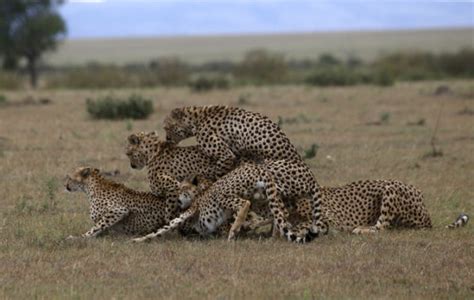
[168,164]
[226,133]
[370,206]
[229,196]
[115,207]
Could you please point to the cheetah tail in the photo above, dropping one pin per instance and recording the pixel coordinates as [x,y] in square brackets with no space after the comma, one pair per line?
[460,221]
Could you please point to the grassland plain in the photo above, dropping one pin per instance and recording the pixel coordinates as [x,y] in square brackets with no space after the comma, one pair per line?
[40,144]
[366,45]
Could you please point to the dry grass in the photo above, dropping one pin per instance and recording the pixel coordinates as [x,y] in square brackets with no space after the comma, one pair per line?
[366,45]
[40,144]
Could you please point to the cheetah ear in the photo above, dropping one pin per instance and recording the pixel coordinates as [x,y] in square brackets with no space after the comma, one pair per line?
[177,113]
[133,139]
[86,172]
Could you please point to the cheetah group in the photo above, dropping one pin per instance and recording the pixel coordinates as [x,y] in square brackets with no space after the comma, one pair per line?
[243,173]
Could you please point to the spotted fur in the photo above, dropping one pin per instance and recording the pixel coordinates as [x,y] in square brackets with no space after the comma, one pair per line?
[115,207]
[370,206]
[227,133]
[230,195]
[168,164]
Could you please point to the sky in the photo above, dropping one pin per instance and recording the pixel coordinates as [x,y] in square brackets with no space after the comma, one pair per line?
[138,18]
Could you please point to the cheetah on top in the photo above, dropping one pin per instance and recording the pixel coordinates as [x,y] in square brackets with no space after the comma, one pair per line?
[225,132]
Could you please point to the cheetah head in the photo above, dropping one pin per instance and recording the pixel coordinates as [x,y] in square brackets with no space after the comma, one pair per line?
[178,126]
[140,147]
[190,188]
[79,179]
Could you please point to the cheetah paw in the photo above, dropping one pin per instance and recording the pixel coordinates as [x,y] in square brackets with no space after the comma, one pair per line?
[141,239]
[364,230]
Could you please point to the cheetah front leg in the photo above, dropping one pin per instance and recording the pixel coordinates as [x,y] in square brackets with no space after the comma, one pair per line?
[244,206]
[109,219]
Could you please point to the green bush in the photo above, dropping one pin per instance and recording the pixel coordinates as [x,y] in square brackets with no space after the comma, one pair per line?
[204,84]
[382,79]
[334,76]
[262,67]
[458,64]
[169,71]
[93,77]
[113,108]
[3,99]
[10,81]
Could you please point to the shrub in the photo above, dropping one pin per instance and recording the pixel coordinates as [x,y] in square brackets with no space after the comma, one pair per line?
[93,76]
[10,81]
[458,64]
[170,71]
[262,67]
[3,99]
[327,59]
[110,107]
[311,151]
[334,76]
[382,79]
[204,84]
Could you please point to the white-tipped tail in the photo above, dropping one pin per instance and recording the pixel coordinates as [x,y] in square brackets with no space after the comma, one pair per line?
[460,221]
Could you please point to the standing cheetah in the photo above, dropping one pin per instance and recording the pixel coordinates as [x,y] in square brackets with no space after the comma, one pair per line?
[115,207]
[229,195]
[226,133]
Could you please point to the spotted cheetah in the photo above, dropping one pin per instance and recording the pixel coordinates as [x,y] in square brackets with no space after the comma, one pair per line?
[230,195]
[115,207]
[226,133]
[168,164]
[193,186]
[370,206]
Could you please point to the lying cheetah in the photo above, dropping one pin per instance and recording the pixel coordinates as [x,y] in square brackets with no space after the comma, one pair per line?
[371,205]
[115,207]
[229,195]
[226,133]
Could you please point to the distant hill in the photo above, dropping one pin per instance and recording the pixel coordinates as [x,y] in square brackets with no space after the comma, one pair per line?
[198,49]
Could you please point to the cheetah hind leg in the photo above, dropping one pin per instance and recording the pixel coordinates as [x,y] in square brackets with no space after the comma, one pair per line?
[239,219]
[386,215]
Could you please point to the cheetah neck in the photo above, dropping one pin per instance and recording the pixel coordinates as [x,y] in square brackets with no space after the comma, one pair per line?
[96,187]
[156,150]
